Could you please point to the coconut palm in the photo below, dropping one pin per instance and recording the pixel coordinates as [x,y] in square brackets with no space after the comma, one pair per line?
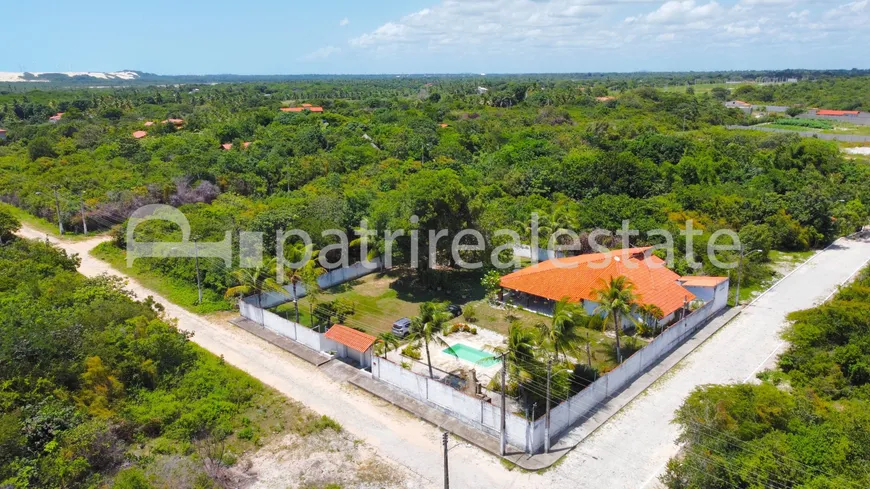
[255,281]
[561,335]
[520,351]
[652,314]
[388,341]
[426,327]
[304,272]
[616,298]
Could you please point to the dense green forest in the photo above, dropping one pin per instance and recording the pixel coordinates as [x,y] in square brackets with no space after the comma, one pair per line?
[584,154]
[99,390]
[807,425]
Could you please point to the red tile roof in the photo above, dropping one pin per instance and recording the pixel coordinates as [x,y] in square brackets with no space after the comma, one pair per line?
[149,123]
[306,105]
[350,337]
[444,125]
[698,281]
[291,109]
[227,146]
[139,134]
[837,112]
[315,109]
[578,277]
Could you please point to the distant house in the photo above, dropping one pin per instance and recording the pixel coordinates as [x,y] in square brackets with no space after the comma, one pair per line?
[229,146]
[838,113]
[305,107]
[444,125]
[482,90]
[352,344]
[576,278]
[149,123]
[2,134]
[176,122]
[739,104]
[53,119]
[605,99]
[139,134]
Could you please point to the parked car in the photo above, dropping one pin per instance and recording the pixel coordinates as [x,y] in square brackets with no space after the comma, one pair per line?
[455,310]
[401,327]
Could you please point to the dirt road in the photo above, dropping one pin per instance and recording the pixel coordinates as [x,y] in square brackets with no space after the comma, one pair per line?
[629,451]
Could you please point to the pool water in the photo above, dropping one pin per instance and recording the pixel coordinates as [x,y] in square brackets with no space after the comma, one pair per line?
[473,355]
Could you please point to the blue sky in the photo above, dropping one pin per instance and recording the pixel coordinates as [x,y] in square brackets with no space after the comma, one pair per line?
[433,36]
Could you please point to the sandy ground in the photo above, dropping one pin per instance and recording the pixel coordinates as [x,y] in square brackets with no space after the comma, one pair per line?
[858,151]
[629,451]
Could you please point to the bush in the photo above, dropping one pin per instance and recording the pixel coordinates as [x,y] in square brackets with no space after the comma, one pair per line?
[461,328]
[412,351]
[316,425]
[470,313]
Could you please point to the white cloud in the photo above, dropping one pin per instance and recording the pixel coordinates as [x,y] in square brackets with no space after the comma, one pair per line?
[343,22]
[533,28]
[321,53]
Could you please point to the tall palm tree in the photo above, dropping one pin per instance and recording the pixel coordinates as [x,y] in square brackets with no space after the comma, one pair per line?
[255,281]
[616,298]
[303,273]
[388,341]
[426,327]
[520,351]
[562,334]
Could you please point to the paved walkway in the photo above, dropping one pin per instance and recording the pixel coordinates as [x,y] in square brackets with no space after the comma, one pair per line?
[848,138]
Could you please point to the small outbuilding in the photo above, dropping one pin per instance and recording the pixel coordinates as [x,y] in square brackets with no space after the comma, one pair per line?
[352,344]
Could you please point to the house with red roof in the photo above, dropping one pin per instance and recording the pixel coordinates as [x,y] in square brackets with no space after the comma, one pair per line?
[229,146]
[578,278]
[352,344]
[303,108]
[139,134]
[838,113]
[2,134]
[53,119]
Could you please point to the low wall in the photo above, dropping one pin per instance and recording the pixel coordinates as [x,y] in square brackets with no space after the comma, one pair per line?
[325,281]
[285,327]
[472,411]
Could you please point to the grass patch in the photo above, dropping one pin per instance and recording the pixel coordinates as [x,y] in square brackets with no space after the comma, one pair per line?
[176,291]
[41,224]
[317,425]
[808,123]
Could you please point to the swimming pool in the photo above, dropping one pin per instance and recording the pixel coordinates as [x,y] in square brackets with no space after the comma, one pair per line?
[473,355]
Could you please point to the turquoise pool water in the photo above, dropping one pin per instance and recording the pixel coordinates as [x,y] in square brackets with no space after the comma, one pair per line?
[473,355]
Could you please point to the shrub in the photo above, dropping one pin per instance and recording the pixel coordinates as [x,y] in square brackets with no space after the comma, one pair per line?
[470,313]
[461,328]
[412,351]
[316,425]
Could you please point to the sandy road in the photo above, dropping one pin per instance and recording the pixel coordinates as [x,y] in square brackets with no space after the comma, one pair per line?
[628,451]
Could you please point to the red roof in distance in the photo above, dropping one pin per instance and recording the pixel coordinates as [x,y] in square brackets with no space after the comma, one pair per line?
[837,112]
[139,134]
[351,338]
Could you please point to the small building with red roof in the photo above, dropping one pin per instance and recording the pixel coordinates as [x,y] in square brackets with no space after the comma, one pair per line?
[303,108]
[578,278]
[352,344]
[229,146]
[53,119]
[139,134]
[2,134]
[838,113]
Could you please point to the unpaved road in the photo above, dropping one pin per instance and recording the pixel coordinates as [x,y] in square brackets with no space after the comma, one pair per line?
[628,451]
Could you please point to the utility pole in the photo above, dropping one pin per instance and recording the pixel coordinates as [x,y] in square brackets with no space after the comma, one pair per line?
[503,403]
[446,472]
[547,421]
[588,351]
[739,276]
[84,221]
[57,206]
[196,258]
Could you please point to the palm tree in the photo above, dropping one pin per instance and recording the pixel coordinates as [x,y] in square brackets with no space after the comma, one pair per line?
[520,351]
[433,320]
[376,244]
[388,341]
[562,334]
[304,272]
[255,281]
[652,314]
[616,298]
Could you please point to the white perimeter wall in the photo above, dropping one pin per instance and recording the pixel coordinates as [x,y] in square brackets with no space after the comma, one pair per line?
[475,412]
[325,281]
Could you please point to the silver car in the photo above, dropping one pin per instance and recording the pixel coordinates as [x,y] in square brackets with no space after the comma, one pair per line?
[401,327]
